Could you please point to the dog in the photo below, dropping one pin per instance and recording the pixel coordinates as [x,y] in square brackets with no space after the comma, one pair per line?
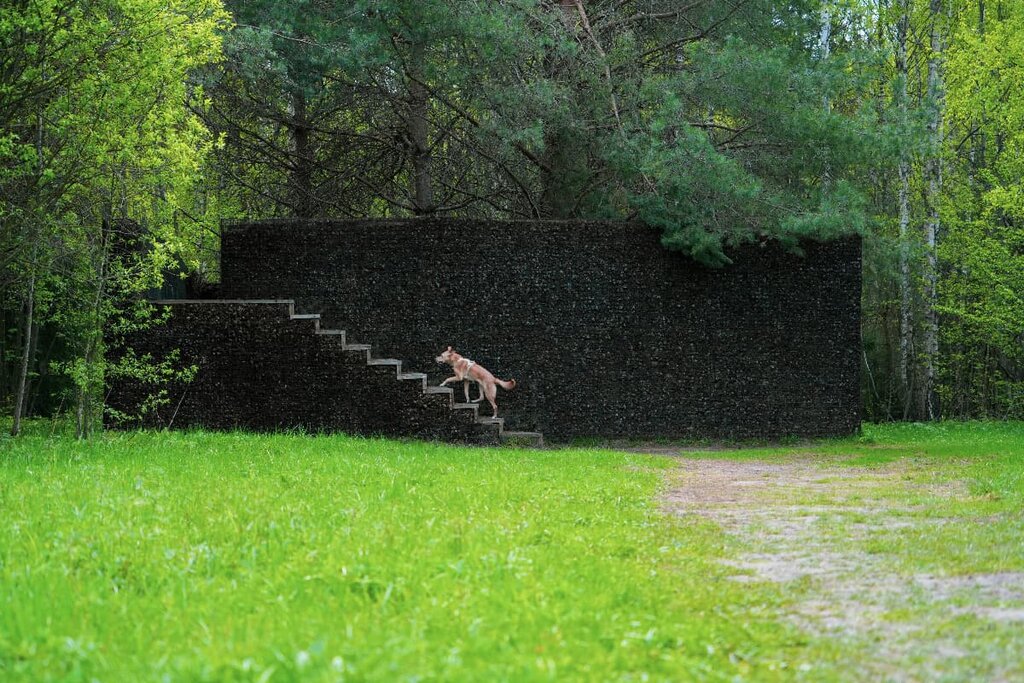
[467,371]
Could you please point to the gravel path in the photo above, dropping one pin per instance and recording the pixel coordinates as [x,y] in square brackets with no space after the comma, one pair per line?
[804,523]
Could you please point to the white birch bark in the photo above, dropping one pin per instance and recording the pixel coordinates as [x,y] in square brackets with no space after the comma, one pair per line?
[927,403]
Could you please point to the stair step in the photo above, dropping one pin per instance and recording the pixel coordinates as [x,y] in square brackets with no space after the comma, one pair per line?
[521,434]
[535,438]
[337,332]
[315,317]
[532,438]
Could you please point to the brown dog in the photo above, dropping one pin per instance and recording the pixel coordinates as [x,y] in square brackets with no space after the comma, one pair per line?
[467,370]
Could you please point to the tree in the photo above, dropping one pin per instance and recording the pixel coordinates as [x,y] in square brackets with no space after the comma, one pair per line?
[718,123]
[926,403]
[957,278]
[94,130]
[981,254]
[702,120]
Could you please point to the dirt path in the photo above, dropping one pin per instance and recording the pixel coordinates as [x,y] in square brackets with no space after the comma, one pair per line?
[823,531]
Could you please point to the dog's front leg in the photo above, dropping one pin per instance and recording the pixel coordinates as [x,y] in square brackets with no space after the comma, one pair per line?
[465,389]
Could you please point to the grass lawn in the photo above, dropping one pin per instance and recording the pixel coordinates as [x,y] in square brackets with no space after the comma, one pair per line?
[224,557]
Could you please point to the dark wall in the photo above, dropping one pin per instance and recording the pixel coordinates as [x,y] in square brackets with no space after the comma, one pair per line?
[260,369]
[607,333]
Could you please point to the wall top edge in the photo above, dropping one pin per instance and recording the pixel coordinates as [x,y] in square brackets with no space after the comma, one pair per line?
[178,302]
[620,227]
[592,228]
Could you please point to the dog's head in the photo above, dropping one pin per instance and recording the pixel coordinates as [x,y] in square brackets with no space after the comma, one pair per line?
[447,356]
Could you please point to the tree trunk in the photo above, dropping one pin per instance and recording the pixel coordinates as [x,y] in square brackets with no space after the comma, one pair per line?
[906,311]
[422,194]
[93,351]
[824,42]
[41,362]
[906,293]
[303,203]
[19,398]
[80,432]
[978,141]
[824,50]
[927,400]
[5,384]
[556,200]
[30,301]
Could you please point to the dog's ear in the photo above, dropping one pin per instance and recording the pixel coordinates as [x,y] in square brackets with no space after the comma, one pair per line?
[449,349]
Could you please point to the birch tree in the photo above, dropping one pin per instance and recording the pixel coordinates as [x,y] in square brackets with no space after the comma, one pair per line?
[926,397]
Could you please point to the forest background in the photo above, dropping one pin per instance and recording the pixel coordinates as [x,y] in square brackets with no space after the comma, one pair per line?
[130,128]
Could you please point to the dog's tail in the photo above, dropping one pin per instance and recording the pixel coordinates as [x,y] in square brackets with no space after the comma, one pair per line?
[507,386]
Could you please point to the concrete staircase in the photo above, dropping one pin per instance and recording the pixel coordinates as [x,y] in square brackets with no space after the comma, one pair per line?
[518,438]
[264,367]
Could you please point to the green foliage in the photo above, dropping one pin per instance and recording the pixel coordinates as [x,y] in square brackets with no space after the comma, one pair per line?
[705,121]
[149,372]
[100,161]
[770,161]
[717,123]
[983,290]
[979,272]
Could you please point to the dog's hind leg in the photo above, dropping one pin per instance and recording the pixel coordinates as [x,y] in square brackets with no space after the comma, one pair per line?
[492,392]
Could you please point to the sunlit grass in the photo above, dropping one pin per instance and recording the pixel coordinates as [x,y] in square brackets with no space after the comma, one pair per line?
[232,556]
[193,556]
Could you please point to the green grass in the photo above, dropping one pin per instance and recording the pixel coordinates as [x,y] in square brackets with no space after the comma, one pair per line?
[242,557]
[235,557]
